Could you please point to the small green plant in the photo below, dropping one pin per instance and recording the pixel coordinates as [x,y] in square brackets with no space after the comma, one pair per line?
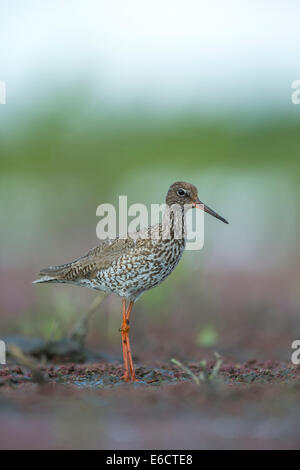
[204,376]
[207,337]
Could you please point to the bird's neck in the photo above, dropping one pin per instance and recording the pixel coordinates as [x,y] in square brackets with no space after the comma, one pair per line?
[174,221]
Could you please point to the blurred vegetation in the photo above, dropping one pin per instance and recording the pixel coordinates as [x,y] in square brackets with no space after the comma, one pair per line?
[64,141]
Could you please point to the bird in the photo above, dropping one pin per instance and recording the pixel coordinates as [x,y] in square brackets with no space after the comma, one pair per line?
[130,266]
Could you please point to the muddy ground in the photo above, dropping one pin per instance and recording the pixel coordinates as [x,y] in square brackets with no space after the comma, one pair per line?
[249,405]
[66,392]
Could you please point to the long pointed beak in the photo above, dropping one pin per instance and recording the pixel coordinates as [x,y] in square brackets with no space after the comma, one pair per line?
[207,209]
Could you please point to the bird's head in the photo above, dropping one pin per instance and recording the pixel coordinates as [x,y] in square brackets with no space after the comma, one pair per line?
[187,194]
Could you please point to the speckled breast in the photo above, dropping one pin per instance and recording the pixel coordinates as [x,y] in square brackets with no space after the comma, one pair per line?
[133,273]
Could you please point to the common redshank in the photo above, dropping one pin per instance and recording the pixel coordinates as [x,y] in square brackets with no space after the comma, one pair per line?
[130,266]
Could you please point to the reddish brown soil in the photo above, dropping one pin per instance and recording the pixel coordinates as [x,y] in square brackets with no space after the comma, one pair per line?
[251,405]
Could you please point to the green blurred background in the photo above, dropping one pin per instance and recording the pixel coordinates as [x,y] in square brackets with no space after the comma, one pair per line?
[108,100]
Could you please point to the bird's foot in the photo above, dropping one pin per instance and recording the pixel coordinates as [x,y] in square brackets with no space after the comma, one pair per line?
[129,378]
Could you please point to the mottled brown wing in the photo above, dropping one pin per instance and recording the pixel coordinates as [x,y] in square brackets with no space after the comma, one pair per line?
[96,259]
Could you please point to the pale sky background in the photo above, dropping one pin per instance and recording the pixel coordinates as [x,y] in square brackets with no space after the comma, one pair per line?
[215,57]
[164,54]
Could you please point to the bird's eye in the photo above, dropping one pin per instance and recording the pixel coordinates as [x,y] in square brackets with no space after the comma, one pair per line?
[181,192]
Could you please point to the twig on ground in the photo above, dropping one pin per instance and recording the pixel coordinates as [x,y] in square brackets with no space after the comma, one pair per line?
[81,328]
[28,362]
[204,376]
[187,370]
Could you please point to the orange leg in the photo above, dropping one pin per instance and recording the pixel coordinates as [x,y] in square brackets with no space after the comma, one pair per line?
[129,375]
[132,371]
[124,334]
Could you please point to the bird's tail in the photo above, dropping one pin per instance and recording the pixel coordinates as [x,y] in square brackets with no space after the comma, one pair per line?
[45,279]
[52,274]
